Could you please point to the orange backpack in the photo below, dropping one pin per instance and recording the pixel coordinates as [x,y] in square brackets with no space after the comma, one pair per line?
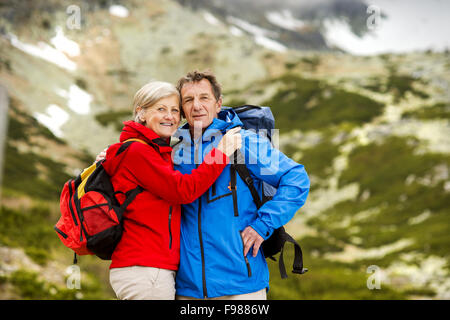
[91,215]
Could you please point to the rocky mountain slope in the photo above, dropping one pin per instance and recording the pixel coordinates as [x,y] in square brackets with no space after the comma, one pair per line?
[373,133]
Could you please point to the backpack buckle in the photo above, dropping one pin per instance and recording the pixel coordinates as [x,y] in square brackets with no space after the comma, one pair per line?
[298,271]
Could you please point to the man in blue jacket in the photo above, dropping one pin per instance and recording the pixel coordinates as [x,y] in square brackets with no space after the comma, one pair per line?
[220,250]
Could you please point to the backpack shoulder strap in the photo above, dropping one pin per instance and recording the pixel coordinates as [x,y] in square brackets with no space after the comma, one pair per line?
[83,177]
[130,195]
[127,143]
[136,139]
[233,181]
[243,172]
[298,257]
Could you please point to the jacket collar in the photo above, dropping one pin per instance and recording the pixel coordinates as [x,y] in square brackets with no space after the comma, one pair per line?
[226,120]
[136,130]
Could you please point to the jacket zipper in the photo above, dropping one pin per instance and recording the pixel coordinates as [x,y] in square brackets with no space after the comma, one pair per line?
[249,269]
[205,293]
[170,227]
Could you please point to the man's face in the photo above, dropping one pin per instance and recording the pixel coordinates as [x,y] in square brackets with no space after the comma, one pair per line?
[199,104]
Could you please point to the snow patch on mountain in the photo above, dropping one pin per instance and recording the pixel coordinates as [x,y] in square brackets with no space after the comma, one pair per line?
[118,11]
[261,35]
[78,100]
[270,44]
[407,28]
[251,28]
[235,31]
[53,119]
[44,51]
[211,19]
[64,44]
[284,19]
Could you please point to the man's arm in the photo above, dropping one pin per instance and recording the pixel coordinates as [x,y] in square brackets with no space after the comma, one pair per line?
[291,180]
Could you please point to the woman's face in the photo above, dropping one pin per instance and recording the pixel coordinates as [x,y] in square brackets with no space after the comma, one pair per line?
[163,117]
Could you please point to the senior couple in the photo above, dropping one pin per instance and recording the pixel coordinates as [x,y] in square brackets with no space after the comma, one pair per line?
[181,237]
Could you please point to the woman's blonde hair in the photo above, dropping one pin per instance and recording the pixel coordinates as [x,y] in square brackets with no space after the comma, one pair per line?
[151,93]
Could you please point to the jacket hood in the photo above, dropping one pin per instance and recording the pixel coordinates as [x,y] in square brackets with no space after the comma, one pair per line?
[133,130]
[226,120]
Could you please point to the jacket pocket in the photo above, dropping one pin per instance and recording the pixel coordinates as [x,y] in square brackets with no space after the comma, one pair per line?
[213,195]
[170,227]
[247,263]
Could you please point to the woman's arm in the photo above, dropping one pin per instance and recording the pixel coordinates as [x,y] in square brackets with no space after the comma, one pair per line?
[156,175]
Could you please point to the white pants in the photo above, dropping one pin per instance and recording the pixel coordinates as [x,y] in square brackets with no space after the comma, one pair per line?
[258,295]
[143,283]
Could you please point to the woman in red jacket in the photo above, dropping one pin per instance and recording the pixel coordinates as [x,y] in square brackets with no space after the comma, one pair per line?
[146,259]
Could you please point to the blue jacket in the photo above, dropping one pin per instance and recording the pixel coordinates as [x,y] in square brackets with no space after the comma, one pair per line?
[212,263]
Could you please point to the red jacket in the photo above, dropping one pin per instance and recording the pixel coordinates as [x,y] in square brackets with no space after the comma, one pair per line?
[151,235]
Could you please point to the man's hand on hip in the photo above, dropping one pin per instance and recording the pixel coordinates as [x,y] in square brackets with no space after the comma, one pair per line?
[251,238]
